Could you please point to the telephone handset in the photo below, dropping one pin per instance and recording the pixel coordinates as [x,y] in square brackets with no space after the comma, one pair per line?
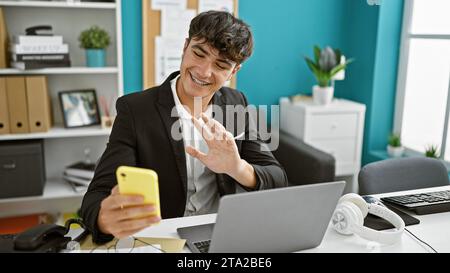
[42,238]
[43,30]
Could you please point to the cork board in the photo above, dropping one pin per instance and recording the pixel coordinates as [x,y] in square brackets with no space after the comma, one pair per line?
[151,27]
[4,56]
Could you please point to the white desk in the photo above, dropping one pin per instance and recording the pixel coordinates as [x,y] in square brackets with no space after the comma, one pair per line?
[433,229]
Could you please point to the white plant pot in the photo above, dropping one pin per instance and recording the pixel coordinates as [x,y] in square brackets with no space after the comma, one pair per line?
[395,151]
[323,95]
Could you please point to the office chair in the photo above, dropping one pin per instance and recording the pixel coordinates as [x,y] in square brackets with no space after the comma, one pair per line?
[303,163]
[402,174]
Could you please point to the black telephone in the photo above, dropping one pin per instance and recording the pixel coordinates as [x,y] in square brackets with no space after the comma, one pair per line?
[43,30]
[41,238]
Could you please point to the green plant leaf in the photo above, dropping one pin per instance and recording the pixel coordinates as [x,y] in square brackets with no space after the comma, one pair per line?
[94,38]
[323,78]
[326,65]
[432,151]
[336,69]
[314,68]
[395,140]
[316,53]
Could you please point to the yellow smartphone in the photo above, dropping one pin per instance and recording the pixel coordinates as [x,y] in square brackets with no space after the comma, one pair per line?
[140,181]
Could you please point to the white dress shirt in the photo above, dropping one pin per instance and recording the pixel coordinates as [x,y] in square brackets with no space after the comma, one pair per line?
[202,193]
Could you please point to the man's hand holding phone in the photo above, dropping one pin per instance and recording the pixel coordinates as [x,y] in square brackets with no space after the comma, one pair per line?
[124,215]
[133,204]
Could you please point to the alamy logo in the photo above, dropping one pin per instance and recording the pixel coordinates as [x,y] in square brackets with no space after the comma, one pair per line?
[243,123]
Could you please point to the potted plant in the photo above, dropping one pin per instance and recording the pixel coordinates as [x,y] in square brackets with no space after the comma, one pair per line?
[395,148]
[327,63]
[95,40]
[432,151]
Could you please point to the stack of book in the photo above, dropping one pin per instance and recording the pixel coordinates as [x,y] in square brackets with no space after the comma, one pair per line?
[39,51]
[79,175]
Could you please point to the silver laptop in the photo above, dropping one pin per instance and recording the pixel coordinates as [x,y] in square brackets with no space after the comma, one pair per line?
[277,220]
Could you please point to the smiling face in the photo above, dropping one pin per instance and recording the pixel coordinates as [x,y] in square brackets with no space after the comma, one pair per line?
[203,71]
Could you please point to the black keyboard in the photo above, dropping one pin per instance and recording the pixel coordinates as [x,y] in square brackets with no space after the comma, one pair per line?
[203,246]
[422,203]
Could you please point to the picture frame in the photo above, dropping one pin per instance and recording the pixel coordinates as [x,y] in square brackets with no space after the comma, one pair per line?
[79,108]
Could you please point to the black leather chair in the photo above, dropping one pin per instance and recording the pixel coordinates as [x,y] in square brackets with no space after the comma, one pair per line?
[303,163]
[402,174]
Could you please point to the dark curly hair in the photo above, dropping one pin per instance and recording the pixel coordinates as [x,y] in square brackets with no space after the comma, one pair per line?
[229,35]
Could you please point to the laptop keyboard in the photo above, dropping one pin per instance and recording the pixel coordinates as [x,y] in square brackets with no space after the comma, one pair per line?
[203,246]
[423,203]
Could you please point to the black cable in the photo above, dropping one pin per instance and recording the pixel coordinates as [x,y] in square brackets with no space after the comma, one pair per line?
[381,203]
[421,240]
[80,222]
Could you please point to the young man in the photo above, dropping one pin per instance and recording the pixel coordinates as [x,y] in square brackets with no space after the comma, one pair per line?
[193,172]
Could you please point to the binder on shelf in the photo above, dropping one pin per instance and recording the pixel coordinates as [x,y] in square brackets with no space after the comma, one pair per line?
[17,104]
[39,106]
[4,116]
[3,41]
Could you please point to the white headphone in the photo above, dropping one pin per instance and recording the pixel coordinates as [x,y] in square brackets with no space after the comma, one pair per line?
[348,218]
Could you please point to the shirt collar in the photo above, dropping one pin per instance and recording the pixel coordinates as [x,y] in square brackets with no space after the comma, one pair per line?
[183,112]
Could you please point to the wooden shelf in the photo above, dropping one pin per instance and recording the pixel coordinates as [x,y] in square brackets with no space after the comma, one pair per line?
[59,132]
[59,4]
[64,70]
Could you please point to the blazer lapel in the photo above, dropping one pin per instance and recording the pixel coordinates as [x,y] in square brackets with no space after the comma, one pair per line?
[165,105]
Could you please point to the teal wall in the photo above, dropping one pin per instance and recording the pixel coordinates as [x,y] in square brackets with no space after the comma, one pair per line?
[361,39]
[285,31]
[373,38]
[380,120]
[132,45]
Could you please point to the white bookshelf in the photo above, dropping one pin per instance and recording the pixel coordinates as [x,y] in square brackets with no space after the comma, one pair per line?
[59,4]
[61,71]
[63,146]
[60,132]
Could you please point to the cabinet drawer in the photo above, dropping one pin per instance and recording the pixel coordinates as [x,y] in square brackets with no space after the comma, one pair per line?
[332,125]
[343,150]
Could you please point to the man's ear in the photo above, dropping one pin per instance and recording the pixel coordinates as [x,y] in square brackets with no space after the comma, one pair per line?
[235,70]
